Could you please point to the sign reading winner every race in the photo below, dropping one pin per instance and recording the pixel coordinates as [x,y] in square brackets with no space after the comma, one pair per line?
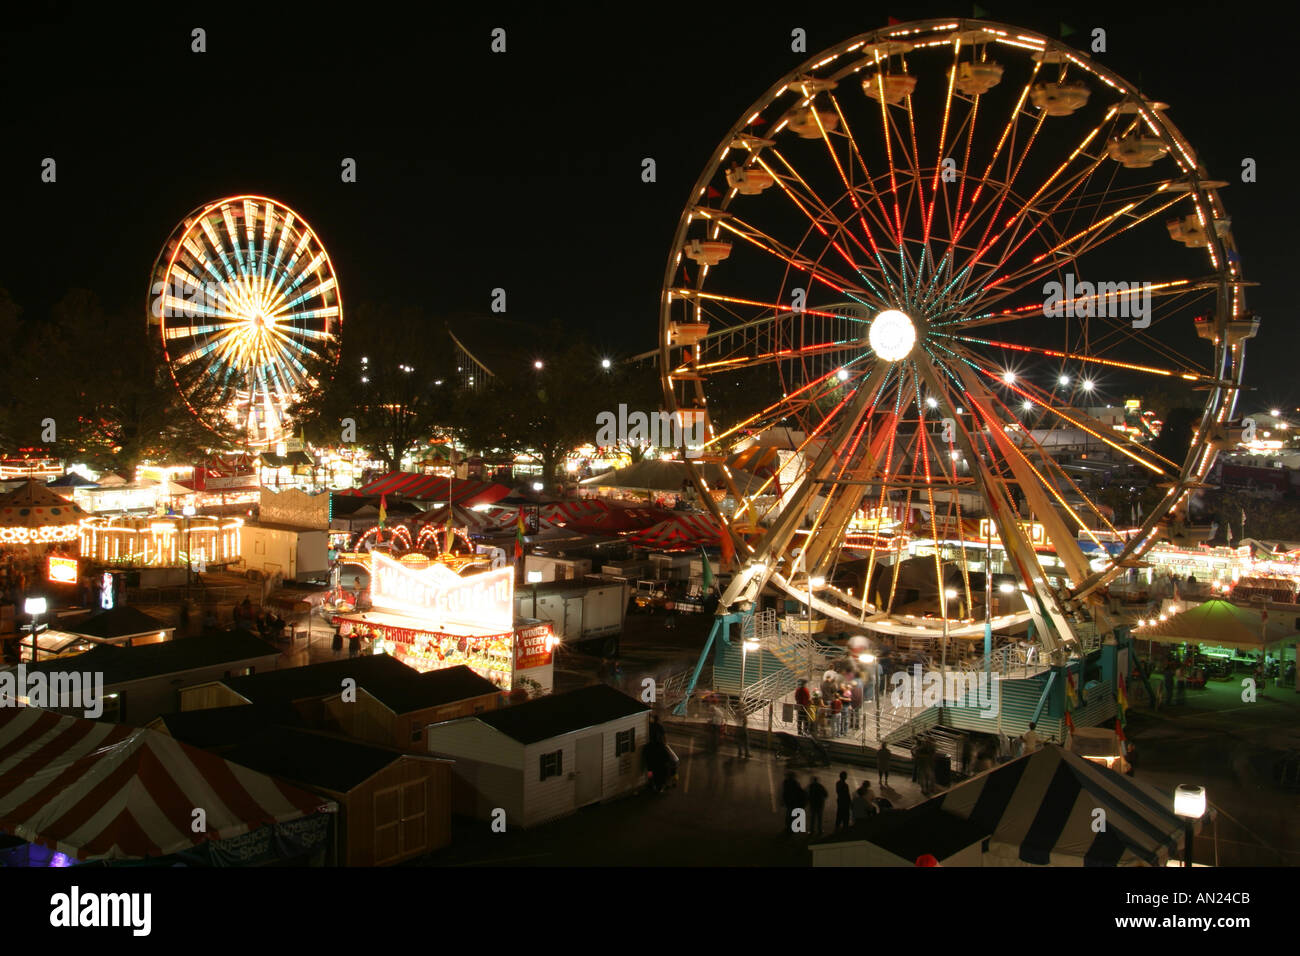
[438,593]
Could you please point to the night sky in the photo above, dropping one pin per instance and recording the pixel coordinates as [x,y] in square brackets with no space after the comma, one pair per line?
[522,170]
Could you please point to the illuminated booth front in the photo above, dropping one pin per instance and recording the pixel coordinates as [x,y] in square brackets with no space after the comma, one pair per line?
[428,616]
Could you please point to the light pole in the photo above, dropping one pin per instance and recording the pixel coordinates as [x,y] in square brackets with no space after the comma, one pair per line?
[870,659]
[35,606]
[1189,803]
[188,511]
[948,595]
[745,648]
[813,582]
[534,578]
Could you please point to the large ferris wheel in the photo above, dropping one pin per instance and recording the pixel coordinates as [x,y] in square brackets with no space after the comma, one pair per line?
[246,302]
[921,258]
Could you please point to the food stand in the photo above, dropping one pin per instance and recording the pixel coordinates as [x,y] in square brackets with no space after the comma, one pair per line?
[428,616]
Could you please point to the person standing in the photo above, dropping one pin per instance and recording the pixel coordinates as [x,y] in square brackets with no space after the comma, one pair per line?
[802,701]
[843,802]
[817,795]
[883,759]
[794,798]
[1180,677]
[657,734]
[715,730]
[1169,682]
[742,737]
[1030,739]
[862,805]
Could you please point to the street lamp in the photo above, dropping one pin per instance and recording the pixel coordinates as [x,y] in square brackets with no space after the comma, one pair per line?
[948,595]
[35,606]
[813,582]
[745,648]
[188,511]
[534,578]
[1189,803]
[875,689]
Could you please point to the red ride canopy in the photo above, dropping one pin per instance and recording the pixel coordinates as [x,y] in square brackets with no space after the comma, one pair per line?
[465,492]
[679,533]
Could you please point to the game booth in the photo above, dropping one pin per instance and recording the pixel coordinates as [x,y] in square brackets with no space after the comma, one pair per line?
[428,616]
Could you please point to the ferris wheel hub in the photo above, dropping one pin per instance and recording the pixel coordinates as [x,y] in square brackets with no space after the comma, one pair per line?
[892,335]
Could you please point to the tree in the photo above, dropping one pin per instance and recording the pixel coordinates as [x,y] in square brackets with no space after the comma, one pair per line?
[100,376]
[393,381]
[548,411]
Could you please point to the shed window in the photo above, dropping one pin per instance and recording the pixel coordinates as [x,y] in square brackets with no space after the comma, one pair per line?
[624,742]
[552,764]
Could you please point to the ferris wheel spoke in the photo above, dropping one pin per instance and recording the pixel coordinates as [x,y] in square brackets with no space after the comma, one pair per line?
[881,219]
[1074,417]
[841,229]
[792,257]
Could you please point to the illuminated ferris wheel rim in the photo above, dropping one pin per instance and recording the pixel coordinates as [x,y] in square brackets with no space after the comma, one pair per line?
[266,321]
[1201,191]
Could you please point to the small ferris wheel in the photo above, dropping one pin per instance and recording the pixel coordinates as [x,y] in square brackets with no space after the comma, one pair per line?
[246,303]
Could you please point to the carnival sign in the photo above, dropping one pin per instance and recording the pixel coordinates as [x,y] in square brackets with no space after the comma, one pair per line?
[437,593]
[533,646]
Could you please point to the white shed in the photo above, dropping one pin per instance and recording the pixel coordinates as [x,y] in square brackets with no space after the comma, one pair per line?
[293,553]
[546,758]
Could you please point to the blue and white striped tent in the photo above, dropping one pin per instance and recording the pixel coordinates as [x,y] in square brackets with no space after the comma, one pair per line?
[1041,811]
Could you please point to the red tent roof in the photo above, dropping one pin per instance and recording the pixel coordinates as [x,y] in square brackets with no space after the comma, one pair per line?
[591,516]
[678,533]
[104,791]
[465,492]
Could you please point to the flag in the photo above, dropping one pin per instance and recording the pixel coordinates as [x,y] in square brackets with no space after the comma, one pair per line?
[451,534]
[519,535]
[978,12]
[1069,724]
[383,509]
[1119,731]
[1066,29]
[712,193]
[728,548]
[1070,692]
[1121,699]
[708,571]
[893,21]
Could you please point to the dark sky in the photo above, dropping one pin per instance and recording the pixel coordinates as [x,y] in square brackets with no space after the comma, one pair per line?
[522,170]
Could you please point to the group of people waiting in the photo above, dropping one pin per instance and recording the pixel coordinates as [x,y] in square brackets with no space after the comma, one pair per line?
[833,709]
[852,807]
[268,625]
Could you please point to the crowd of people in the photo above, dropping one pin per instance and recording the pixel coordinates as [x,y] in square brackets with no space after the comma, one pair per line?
[834,707]
[853,807]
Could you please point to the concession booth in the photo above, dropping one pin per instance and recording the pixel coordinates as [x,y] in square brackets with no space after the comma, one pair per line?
[427,615]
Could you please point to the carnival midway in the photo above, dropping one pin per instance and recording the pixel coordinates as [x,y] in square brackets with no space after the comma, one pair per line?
[897,496]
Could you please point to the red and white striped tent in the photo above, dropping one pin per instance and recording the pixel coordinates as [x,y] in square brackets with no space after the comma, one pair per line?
[99,791]
[680,532]
[464,491]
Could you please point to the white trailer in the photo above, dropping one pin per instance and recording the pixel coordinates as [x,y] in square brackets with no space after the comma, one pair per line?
[586,614]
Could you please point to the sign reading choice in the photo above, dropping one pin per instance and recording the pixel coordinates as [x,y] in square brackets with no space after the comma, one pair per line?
[440,595]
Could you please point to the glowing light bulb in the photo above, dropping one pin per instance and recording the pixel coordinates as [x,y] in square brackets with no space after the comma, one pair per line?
[892,335]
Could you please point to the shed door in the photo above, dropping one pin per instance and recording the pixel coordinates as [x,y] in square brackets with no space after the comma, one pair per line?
[573,618]
[588,784]
[401,821]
